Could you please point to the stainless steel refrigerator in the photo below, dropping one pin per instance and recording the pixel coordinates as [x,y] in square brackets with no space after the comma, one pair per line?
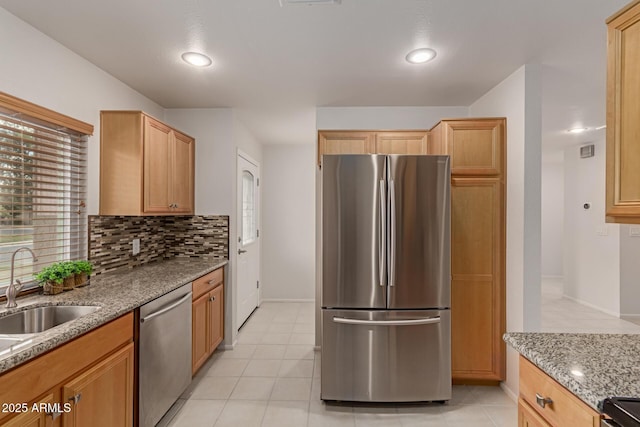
[386,274]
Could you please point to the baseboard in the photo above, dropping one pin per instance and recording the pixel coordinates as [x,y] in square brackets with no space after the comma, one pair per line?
[286,300]
[629,316]
[595,307]
[513,396]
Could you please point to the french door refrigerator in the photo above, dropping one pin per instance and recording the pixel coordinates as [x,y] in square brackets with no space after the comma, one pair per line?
[386,324]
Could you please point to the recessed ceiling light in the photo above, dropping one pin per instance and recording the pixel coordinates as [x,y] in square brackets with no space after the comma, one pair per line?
[196,59]
[420,56]
[577,130]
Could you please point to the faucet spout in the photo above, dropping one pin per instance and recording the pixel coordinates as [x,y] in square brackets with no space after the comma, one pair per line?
[12,289]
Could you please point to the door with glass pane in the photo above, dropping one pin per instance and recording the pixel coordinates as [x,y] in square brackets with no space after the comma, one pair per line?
[248,248]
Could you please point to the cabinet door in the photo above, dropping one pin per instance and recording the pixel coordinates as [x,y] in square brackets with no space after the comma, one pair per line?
[623,110]
[401,143]
[477,273]
[156,166]
[35,418]
[216,317]
[476,146]
[199,332]
[344,142]
[528,417]
[182,173]
[102,396]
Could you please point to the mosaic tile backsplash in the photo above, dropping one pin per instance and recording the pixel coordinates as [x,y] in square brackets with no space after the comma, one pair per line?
[110,239]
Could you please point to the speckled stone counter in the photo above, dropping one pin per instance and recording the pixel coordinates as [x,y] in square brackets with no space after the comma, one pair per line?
[115,293]
[609,363]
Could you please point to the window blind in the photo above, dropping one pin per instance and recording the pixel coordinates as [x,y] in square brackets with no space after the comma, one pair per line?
[42,194]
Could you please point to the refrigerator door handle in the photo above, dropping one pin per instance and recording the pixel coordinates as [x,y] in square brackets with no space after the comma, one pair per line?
[409,322]
[383,232]
[392,233]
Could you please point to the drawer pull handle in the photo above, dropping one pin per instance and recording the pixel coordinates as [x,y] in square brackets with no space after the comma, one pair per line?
[543,401]
[211,282]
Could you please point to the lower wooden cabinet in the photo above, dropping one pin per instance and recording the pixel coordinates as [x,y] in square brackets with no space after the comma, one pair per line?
[216,319]
[103,395]
[544,402]
[36,418]
[85,382]
[207,317]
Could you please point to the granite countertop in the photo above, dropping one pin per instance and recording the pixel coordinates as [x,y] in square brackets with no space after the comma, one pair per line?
[609,363]
[116,293]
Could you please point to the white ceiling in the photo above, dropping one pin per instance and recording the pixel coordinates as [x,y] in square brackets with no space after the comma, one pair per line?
[275,64]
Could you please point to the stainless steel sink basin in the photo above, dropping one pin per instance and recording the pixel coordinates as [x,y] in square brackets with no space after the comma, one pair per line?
[39,319]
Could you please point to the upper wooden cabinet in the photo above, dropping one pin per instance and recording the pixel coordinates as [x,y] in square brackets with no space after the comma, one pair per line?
[623,113]
[146,167]
[401,142]
[475,145]
[371,142]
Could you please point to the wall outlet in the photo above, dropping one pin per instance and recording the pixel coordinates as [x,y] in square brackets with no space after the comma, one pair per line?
[634,230]
[136,246]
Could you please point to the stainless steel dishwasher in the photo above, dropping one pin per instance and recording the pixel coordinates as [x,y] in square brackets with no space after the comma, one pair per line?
[164,355]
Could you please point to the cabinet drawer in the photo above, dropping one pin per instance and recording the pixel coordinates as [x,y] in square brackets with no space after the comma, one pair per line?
[565,410]
[207,282]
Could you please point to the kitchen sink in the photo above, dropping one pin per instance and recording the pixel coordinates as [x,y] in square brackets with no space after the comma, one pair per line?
[39,319]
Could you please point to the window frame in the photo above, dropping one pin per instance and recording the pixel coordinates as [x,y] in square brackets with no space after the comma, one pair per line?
[44,117]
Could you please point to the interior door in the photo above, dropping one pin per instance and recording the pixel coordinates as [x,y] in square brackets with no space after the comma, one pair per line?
[248,259]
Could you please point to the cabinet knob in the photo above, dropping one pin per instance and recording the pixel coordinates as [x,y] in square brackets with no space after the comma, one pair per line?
[54,414]
[543,401]
[75,399]
[213,298]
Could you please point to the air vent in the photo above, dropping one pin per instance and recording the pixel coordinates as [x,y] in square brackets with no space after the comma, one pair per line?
[308,2]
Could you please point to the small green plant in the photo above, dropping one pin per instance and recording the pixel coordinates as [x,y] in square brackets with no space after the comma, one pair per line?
[54,273]
[83,267]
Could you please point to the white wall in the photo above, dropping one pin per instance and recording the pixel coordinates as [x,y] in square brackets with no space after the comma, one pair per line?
[46,73]
[629,272]
[215,156]
[591,247]
[518,99]
[552,218]
[219,136]
[388,118]
[288,222]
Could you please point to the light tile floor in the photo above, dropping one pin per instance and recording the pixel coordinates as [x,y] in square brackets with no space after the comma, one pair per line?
[559,314]
[272,378]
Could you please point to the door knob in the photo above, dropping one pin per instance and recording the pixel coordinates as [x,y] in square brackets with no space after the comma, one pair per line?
[241,251]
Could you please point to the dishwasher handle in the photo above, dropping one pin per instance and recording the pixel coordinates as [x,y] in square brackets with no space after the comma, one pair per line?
[165,309]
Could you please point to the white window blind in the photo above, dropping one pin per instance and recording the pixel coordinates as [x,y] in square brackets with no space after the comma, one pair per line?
[42,194]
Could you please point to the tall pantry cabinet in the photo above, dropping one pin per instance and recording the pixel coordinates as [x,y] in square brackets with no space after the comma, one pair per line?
[478,226]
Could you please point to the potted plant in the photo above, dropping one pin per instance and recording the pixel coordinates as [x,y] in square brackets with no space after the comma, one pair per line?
[68,270]
[51,279]
[83,270]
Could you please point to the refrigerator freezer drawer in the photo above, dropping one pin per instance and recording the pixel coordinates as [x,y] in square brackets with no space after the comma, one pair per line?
[386,356]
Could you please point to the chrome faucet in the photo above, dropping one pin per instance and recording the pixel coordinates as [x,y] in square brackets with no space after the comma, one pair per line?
[13,290]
